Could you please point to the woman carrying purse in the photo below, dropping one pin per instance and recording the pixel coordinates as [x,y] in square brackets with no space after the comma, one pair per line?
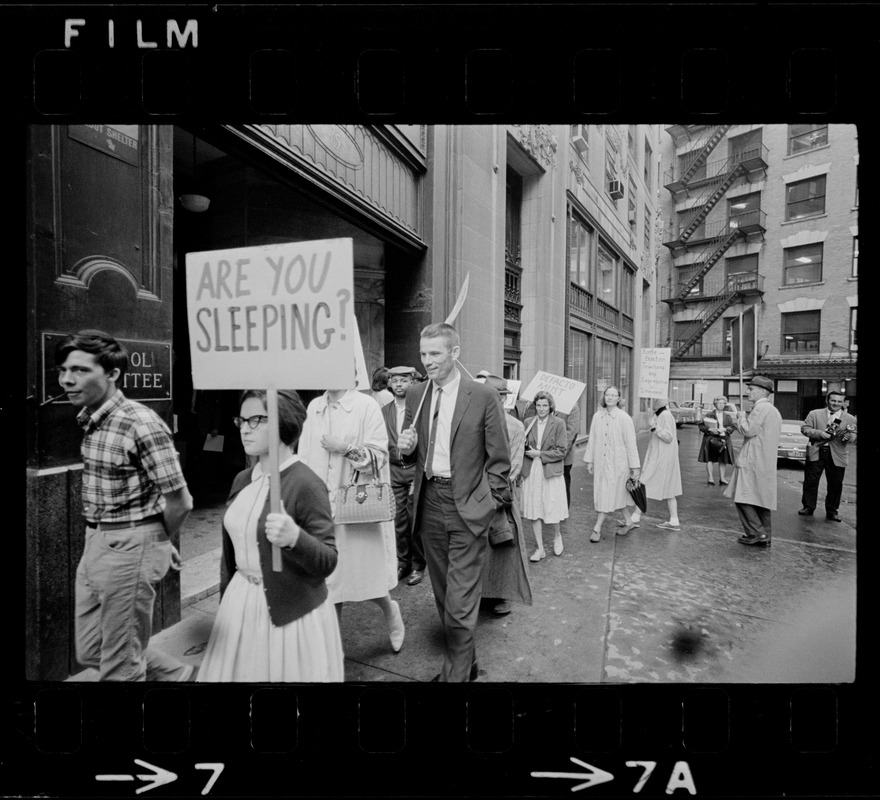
[717,447]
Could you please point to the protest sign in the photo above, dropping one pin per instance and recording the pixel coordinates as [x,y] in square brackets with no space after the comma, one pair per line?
[654,372]
[272,317]
[510,399]
[565,391]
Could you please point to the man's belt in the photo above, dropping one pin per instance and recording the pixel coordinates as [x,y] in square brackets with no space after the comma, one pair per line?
[441,480]
[120,526]
[402,465]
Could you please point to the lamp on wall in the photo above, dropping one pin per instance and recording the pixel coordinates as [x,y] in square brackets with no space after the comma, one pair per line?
[194,201]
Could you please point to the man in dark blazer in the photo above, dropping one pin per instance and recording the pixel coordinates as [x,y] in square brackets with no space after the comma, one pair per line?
[410,555]
[461,480]
[831,430]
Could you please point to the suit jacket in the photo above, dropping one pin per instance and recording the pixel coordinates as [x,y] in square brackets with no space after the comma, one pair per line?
[478,450]
[553,446]
[814,426]
[402,466]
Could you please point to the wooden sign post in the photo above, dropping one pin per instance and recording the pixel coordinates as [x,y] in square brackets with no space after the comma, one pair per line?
[273,317]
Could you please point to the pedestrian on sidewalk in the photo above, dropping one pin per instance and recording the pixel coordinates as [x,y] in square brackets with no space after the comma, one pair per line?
[831,430]
[461,431]
[135,500]
[661,472]
[410,554]
[275,626]
[612,456]
[717,446]
[342,428]
[505,573]
[544,499]
[753,487]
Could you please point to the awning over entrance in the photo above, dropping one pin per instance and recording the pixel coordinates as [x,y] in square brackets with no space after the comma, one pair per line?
[831,369]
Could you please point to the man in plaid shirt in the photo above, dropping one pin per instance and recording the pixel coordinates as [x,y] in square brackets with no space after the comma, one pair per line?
[134,500]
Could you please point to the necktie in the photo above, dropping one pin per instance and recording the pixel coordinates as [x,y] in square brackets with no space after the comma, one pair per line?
[432,434]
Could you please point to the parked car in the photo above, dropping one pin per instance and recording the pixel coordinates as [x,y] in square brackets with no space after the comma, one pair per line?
[697,407]
[682,414]
[792,443]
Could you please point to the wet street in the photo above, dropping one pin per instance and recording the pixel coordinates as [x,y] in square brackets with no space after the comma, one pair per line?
[653,606]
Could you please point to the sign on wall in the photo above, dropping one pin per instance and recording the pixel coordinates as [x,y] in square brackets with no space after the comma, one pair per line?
[148,376]
[272,317]
[654,372]
[119,141]
[566,391]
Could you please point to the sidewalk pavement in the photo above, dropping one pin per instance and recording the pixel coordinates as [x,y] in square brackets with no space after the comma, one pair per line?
[653,606]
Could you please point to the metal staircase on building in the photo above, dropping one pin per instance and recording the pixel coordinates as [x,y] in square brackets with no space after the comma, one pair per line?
[707,259]
[702,151]
[714,192]
[728,295]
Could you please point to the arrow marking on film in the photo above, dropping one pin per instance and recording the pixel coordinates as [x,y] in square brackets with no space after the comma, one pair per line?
[159,777]
[594,777]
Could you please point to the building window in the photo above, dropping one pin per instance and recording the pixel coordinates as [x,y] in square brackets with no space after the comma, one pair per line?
[728,334]
[627,292]
[805,198]
[631,204]
[806,137]
[683,332]
[740,265]
[855,260]
[610,162]
[684,164]
[625,372]
[743,210]
[649,223]
[685,218]
[606,286]
[647,166]
[800,332]
[853,338]
[631,140]
[604,366]
[578,359]
[579,248]
[802,264]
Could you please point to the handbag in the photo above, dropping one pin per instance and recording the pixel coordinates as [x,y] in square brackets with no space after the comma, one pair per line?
[715,444]
[637,493]
[364,500]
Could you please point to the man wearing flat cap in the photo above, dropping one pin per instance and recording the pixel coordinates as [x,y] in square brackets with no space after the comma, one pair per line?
[410,555]
[753,486]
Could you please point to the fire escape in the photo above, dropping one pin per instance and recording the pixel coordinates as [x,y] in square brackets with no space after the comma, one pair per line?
[712,180]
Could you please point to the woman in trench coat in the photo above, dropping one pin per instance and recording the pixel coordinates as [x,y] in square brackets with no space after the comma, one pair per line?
[342,428]
[661,472]
[611,457]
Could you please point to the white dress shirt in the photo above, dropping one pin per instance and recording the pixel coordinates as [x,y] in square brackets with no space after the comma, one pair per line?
[441,465]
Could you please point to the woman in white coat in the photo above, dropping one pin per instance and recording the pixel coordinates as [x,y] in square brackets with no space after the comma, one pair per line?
[612,457]
[661,472]
[342,428]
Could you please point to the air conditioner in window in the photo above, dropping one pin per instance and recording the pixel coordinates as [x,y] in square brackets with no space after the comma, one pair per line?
[615,189]
[579,138]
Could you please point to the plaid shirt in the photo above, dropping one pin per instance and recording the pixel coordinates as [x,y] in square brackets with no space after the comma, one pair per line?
[130,462]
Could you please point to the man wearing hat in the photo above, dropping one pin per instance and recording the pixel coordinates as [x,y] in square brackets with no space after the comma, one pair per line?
[410,555]
[753,486]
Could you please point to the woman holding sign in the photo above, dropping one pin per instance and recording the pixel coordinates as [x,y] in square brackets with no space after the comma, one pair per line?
[275,626]
[343,428]
[544,498]
[612,457]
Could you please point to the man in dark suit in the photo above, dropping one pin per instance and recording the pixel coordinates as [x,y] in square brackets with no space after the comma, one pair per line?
[461,480]
[410,555]
[830,430]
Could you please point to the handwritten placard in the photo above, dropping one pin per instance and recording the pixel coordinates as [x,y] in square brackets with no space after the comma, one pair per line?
[272,317]
[565,391]
[654,373]
[510,399]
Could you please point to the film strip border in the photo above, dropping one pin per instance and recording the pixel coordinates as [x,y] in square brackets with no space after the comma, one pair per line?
[477,63]
[476,741]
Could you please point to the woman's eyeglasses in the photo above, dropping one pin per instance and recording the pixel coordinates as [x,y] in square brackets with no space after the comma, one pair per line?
[252,422]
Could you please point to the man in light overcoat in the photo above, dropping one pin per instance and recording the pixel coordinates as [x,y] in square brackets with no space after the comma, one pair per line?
[753,486]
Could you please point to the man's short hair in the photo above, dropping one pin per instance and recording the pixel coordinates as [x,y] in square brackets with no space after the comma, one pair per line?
[291,412]
[442,330]
[835,391]
[108,353]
